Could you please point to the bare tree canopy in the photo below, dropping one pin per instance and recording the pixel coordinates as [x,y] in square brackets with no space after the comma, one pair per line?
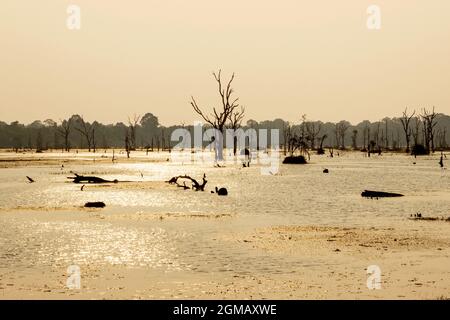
[313,131]
[88,132]
[235,123]
[236,118]
[340,131]
[133,124]
[429,124]
[219,116]
[64,130]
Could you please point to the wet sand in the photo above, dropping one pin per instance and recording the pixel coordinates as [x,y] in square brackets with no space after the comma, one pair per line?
[214,254]
[414,260]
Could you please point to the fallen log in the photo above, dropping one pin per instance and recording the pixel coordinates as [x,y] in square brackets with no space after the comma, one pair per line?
[90,179]
[95,204]
[416,218]
[195,184]
[379,194]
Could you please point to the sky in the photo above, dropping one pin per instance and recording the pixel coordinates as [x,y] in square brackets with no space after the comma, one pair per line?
[290,57]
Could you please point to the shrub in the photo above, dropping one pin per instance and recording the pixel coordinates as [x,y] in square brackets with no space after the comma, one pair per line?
[295,160]
[419,150]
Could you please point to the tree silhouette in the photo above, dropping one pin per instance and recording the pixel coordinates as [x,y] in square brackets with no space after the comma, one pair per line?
[219,116]
[64,130]
[405,120]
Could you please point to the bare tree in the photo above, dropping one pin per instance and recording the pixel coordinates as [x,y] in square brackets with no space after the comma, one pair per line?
[415,132]
[66,128]
[133,124]
[340,131]
[298,140]
[405,120]
[236,118]
[313,131]
[429,124]
[88,132]
[219,116]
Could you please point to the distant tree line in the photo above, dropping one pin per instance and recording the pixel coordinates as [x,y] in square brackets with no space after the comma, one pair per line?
[413,131]
[418,133]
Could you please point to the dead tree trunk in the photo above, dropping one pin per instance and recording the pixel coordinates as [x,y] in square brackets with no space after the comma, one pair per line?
[405,120]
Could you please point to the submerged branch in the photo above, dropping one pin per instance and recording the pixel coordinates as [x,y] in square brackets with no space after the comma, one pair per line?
[195,184]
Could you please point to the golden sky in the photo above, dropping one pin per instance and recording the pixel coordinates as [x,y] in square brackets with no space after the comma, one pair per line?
[291,57]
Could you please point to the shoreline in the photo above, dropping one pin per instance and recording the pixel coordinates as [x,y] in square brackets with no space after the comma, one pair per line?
[316,262]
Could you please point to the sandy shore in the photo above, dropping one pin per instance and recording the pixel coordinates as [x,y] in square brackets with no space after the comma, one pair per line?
[315,263]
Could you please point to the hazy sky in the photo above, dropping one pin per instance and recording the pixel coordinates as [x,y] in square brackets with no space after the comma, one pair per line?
[291,57]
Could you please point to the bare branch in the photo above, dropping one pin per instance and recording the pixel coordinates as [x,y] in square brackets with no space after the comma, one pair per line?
[219,116]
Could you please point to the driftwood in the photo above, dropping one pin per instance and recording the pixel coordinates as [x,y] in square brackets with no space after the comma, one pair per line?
[418,216]
[195,184]
[379,194]
[95,205]
[89,179]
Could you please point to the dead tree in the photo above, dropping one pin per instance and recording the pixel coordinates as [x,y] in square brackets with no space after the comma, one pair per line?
[133,124]
[219,116]
[415,132]
[235,123]
[405,120]
[429,124]
[64,131]
[88,132]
